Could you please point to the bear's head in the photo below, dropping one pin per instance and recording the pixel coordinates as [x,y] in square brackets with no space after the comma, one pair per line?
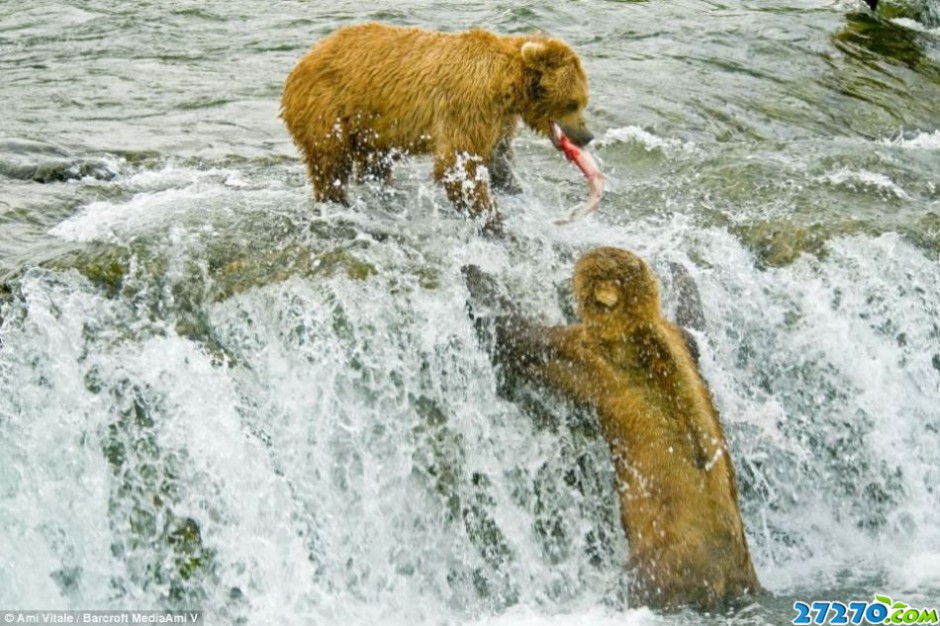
[556,89]
[614,289]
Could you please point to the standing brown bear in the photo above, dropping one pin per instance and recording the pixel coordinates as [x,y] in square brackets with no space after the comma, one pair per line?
[675,479]
[372,91]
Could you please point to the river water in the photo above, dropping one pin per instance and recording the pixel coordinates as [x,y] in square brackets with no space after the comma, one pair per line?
[216,393]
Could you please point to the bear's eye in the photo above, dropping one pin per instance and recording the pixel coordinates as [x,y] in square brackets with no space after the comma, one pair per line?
[571,107]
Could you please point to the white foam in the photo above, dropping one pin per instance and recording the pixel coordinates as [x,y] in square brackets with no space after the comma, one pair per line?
[55,480]
[828,328]
[111,222]
[589,616]
[913,24]
[196,204]
[917,571]
[170,175]
[921,141]
[853,179]
[649,140]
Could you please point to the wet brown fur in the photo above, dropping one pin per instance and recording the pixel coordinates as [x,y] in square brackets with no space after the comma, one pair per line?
[369,91]
[676,482]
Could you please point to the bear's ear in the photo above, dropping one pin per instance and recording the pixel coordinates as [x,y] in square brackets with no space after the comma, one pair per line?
[544,53]
[531,50]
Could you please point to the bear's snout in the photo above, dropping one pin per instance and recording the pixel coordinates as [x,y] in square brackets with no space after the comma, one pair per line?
[583,138]
[579,135]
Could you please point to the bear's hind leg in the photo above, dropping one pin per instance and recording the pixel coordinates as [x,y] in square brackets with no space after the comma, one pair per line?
[329,163]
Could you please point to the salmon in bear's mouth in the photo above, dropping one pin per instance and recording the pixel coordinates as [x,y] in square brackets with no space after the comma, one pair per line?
[588,166]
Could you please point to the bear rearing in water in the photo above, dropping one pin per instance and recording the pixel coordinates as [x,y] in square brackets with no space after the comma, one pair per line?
[675,480]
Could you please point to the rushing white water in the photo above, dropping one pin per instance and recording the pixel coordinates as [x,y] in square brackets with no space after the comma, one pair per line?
[343,448]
